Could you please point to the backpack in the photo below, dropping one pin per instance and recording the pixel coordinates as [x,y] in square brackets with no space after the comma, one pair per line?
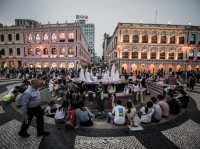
[60,114]
[71,118]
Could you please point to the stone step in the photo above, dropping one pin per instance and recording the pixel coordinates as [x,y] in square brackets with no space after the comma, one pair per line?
[103,124]
[158,90]
[154,93]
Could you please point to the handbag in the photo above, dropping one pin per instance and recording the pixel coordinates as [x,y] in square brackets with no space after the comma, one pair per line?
[60,114]
[8,98]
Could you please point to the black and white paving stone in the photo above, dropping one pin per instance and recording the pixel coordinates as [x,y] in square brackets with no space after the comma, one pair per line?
[182,132]
[128,142]
[196,98]
[10,139]
[185,136]
[1,110]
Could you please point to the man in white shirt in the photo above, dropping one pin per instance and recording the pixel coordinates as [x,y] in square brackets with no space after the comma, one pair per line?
[118,114]
[157,115]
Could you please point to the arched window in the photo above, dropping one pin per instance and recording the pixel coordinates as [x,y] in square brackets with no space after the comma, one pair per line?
[37,51]
[126,38]
[135,55]
[145,38]
[172,39]
[2,52]
[71,52]
[115,54]
[125,54]
[144,55]
[53,51]
[30,38]
[10,52]
[199,39]
[71,37]
[62,37]
[162,55]
[171,56]
[135,38]
[30,52]
[154,38]
[37,38]
[62,51]
[45,51]
[124,68]
[54,37]
[153,55]
[46,37]
[181,40]
[180,56]
[163,39]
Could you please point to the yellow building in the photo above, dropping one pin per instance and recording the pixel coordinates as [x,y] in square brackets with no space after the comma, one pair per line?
[136,47]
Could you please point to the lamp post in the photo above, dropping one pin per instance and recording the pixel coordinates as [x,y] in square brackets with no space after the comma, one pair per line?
[186,49]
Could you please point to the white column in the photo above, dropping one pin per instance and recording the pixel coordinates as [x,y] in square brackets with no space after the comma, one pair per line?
[149,38]
[140,38]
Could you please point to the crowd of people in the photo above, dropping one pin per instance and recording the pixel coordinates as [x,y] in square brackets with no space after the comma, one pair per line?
[154,110]
[29,73]
[69,106]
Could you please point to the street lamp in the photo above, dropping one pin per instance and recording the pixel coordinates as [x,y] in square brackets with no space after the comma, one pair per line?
[186,49]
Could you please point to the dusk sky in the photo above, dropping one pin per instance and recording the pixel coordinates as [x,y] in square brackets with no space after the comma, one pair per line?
[105,14]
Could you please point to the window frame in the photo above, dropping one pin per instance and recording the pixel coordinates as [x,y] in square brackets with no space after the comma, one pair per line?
[2,38]
[17,36]
[126,38]
[9,37]
[18,51]
[125,55]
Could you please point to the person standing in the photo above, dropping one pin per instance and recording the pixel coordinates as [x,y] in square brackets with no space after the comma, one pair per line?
[100,97]
[31,106]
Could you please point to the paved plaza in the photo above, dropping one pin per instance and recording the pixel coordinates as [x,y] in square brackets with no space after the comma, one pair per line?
[10,139]
[185,136]
[181,132]
[107,142]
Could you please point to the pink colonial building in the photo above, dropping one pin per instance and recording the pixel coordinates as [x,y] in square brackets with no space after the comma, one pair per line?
[137,47]
[31,44]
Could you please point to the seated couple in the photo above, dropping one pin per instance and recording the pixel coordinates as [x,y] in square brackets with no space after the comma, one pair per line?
[80,116]
[122,116]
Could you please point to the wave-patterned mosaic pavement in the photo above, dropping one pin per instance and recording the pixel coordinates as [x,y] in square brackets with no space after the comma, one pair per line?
[128,142]
[10,139]
[185,136]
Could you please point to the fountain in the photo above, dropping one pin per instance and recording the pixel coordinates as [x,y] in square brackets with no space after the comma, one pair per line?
[114,74]
[116,77]
[105,77]
[109,77]
[81,75]
[87,76]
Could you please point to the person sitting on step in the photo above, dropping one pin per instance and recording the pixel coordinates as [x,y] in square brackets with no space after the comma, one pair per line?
[164,106]
[130,114]
[118,114]
[83,116]
[157,115]
[146,112]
